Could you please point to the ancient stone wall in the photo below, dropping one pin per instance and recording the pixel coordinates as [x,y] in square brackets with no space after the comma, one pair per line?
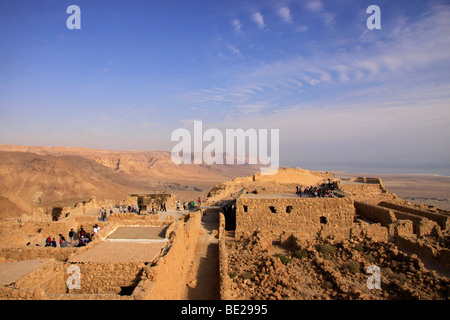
[105,278]
[13,254]
[386,216]
[48,279]
[441,219]
[152,198]
[440,255]
[284,215]
[225,281]
[361,190]
[375,213]
[166,280]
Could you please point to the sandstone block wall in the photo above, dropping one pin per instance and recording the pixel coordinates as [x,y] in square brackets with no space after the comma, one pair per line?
[309,215]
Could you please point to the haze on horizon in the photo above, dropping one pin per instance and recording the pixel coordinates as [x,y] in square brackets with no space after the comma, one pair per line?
[341,94]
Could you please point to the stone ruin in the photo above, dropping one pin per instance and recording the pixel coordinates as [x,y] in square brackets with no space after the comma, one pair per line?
[273,244]
[146,200]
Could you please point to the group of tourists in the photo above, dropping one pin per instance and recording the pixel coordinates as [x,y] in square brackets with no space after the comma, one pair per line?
[76,239]
[189,205]
[132,208]
[103,216]
[325,191]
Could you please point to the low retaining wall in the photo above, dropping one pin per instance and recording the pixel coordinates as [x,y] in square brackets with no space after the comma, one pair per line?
[13,254]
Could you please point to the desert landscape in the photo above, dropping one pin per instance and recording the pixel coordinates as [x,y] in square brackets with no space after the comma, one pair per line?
[223,158]
[253,237]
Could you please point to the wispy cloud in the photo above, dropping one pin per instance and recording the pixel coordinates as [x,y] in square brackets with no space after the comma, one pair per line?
[314,5]
[251,108]
[237,25]
[234,50]
[258,18]
[285,14]
[408,56]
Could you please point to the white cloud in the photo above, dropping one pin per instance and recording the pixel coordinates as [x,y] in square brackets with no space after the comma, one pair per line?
[329,18]
[233,49]
[237,25]
[301,28]
[251,108]
[285,14]
[314,5]
[258,19]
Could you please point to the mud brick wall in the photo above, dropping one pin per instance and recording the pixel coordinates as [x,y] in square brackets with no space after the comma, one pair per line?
[309,215]
[166,279]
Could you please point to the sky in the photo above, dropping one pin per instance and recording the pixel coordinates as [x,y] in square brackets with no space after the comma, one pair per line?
[341,94]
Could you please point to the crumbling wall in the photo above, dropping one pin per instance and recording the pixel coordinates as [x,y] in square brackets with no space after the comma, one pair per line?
[374,232]
[330,216]
[441,219]
[13,254]
[48,279]
[166,280]
[361,190]
[152,198]
[386,216]
[375,213]
[440,255]
[105,278]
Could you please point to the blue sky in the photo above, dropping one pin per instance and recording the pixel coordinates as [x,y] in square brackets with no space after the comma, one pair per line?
[137,70]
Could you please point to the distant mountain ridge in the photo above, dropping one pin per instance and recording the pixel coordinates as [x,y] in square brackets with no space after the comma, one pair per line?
[146,164]
[32,176]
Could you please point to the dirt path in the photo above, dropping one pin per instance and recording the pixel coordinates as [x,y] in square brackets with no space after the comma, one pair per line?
[205,282]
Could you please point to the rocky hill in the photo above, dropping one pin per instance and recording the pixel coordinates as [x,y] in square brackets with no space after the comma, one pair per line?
[32,176]
[156,165]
